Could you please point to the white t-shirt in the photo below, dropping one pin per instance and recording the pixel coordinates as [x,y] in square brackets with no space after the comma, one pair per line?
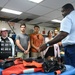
[47,39]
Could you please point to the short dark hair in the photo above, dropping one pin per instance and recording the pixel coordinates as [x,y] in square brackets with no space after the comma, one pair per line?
[68,6]
[23,25]
[36,26]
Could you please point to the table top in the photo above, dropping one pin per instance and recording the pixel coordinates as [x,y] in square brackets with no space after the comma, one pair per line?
[69,71]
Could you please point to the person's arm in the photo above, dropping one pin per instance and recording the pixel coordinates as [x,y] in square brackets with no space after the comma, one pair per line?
[56,39]
[13,46]
[33,45]
[28,46]
[43,40]
[19,45]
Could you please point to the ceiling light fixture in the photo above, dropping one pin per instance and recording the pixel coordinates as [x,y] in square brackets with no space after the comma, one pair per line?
[11,11]
[55,20]
[36,1]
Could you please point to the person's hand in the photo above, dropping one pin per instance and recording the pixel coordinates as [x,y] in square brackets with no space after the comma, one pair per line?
[26,51]
[42,47]
[37,49]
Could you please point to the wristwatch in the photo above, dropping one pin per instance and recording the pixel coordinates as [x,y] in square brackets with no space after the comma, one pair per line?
[47,45]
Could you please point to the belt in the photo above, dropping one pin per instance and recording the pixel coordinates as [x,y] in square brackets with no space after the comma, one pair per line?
[70,45]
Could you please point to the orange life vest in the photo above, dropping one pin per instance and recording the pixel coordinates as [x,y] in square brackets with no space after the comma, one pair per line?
[20,67]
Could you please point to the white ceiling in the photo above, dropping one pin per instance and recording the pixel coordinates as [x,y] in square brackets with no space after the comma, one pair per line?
[34,13]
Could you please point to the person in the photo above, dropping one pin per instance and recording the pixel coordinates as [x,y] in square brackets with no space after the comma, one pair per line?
[23,43]
[56,32]
[52,51]
[36,41]
[66,34]
[50,48]
[7,47]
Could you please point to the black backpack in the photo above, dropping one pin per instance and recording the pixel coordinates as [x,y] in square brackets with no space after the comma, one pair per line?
[53,65]
[6,63]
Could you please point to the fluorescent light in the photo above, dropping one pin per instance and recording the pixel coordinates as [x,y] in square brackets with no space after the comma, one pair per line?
[55,20]
[36,1]
[11,11]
